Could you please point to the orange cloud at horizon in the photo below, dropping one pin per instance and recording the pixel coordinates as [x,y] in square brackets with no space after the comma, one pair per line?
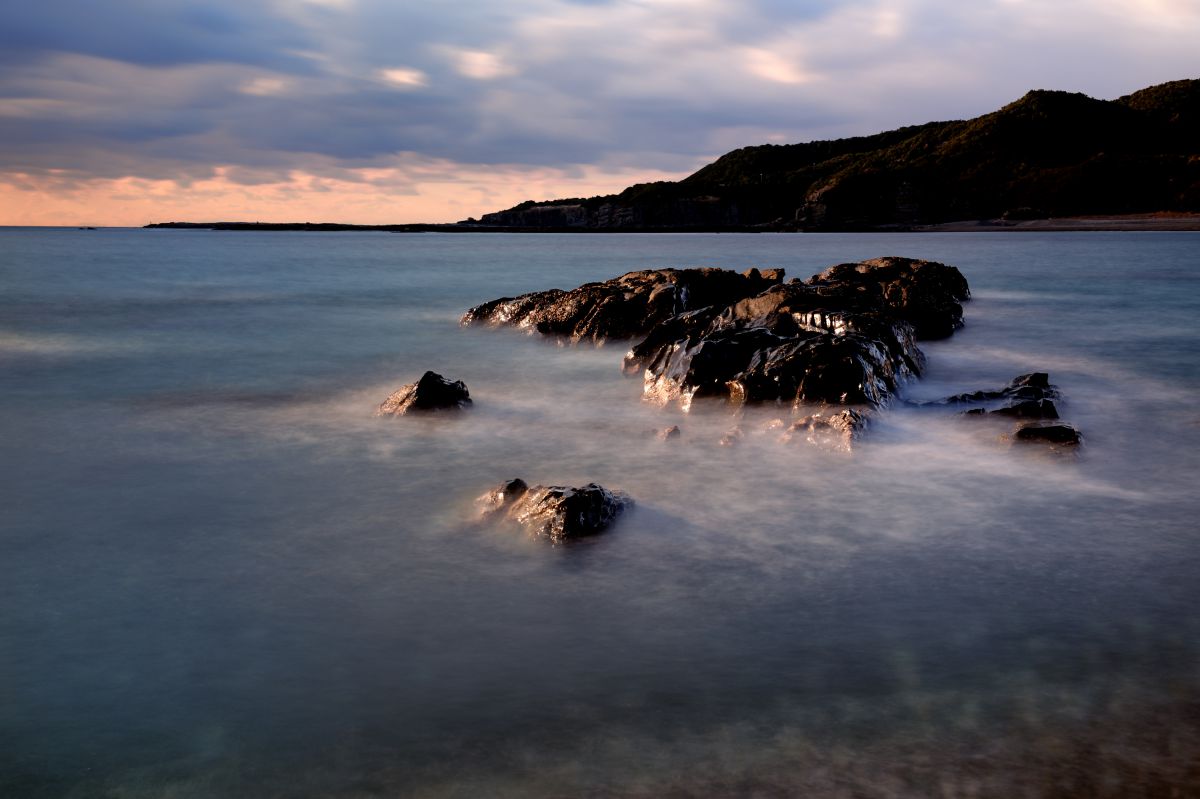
[433,193]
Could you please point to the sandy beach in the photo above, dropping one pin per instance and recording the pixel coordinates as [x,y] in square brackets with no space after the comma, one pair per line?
[1126,222]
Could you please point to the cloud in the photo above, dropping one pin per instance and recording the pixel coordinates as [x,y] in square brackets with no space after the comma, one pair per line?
[404,77]
[177,91]
[265,86]
[773,66]
[478,64]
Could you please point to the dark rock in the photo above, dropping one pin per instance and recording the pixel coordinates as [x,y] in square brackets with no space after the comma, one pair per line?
[502,496]
[560,513]
[669,433]
[431,392]
[1032,386]
[1028,396]
[847,336]
[924,293]
[824,427]
[1029,409]
[625,307]
[1052,434]
[1031,380]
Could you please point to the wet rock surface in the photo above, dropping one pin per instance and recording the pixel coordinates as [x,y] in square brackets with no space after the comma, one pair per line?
[846,336]
[832,347]
[559,513]
[432,392]
[1027,396]
[1062,434]
[1034,387]
[838,428]
[625,307]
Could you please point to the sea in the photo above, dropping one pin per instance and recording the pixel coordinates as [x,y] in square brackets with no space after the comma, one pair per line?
[221,575]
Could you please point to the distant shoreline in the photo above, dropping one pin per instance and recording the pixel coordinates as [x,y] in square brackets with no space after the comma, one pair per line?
[1164,221]
[1110,222]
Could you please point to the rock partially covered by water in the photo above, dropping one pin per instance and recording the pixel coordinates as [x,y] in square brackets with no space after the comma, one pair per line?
[559,513]
[1028,396]
[624,307]
[1062,434]
[1029,409]
[1034,386]
[847,336]
[837,428]
[502,496]
[432,392]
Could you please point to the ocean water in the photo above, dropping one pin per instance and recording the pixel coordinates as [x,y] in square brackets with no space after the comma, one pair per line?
[221,575]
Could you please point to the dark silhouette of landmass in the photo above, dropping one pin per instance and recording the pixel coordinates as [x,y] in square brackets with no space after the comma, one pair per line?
[1049,154]
[1049,161]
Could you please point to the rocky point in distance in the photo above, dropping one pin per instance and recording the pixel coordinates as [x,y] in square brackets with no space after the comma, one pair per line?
[1050,154]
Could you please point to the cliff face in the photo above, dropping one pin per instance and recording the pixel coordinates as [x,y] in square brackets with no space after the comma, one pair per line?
[1047,154]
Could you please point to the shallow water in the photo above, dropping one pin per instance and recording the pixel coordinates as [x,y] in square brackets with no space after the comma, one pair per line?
[221,575]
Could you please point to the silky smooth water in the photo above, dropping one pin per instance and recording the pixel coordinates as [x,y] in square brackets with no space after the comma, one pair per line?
[221,575]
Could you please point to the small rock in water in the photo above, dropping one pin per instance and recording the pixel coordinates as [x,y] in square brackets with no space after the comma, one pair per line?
[732,437]
[432,392]
[840,428]
[669,433]
[1029,409]
[502,496]
[556,512]
[1050,434]
[1032,387]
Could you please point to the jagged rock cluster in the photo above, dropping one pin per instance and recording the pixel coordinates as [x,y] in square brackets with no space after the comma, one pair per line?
[625,307]
[1030,398]
[559,513]
[845,336]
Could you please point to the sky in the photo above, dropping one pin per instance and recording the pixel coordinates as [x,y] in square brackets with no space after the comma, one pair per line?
[125,112]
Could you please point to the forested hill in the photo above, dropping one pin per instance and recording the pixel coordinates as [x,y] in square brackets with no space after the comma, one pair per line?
[1048,154]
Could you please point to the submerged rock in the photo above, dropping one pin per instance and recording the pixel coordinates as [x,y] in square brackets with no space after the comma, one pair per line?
[502,496]
[1062,434]
[432,392]
[1034,386]
[732,437]
[1029,409]
[556,512]
[1028,396]
[840,428]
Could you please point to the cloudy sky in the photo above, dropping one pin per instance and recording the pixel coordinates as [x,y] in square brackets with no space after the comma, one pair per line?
[376,111]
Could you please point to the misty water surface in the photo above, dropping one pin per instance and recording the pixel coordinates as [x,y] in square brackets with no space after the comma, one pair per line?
[221,575]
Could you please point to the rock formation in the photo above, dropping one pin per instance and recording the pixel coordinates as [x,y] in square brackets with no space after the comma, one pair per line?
[845,336]
[432,392]
[624,307]
[1028,396]
[558,513]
